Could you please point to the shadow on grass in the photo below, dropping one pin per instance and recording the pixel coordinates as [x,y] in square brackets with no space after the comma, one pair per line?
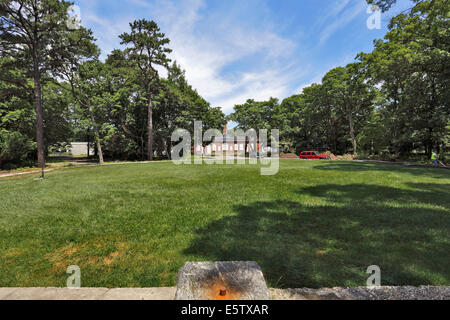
[405,232]
[392,167]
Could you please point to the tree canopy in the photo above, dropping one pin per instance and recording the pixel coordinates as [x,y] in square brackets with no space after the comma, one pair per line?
[51,79]
[391,102]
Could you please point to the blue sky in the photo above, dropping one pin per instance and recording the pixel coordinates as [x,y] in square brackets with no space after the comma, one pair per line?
[233,50]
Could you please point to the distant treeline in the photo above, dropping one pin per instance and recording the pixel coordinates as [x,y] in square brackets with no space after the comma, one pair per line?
[54,88]
[392,102]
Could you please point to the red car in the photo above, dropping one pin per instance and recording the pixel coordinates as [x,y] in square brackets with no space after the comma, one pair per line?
[314,155]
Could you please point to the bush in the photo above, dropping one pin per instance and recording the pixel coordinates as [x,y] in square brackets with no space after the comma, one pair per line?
[15,149]
[59,148]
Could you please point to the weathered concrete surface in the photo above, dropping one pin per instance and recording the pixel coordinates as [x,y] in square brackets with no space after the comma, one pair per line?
[163,293]
[360,293]
[80,294]
[56,294]
[243,280]
[4,292]
[87,294]
[364,293]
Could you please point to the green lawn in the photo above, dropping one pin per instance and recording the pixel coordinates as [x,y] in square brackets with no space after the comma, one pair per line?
[315,224]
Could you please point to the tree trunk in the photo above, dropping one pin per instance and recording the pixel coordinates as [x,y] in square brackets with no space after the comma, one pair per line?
[39,113]
[150,128]
[168,148]
[88,145]
[164,147]
[429,143]
[96,136]
[352,132]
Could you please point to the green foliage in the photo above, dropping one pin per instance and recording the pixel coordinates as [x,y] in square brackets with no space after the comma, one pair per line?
[58,126]
[15,149]
[37,42]
[349,97]
[258,115]
[393,103]
[384,5]
[147,49]
[411,68]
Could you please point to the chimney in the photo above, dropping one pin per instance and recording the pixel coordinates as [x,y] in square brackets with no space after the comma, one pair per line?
[225,130]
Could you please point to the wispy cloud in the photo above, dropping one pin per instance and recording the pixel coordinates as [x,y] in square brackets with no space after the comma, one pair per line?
[205,47]
[233,51]
[339,16]
[331,11]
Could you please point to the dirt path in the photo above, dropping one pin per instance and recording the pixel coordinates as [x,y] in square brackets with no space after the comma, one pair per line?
[72,164]
[4,175]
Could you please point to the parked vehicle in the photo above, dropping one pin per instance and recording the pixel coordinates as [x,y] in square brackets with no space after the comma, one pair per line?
[314,155]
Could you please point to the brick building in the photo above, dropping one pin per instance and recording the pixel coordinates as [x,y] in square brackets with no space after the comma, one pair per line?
[228,143]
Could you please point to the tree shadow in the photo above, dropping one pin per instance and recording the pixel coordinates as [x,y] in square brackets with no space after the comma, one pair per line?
[418,170]
[405,232]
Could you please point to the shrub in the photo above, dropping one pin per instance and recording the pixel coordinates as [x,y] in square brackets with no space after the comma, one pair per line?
[15,149]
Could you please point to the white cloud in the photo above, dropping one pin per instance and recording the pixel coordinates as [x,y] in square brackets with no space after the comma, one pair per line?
[341,18]
[258,86]
[231,53]
[332,11]
[106,31]
[206,46]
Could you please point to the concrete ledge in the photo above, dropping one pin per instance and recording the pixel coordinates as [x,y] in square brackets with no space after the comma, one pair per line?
[87,294]
[164,293]
[364,293]
[5,292]
[168,293]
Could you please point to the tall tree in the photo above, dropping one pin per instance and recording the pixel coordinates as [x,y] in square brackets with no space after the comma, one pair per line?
[315,123]
[90,86]
[130,114]
[16,121]
[411,67]
[178,105]
[258,115]
[34,35]
[349,93]
[147,49]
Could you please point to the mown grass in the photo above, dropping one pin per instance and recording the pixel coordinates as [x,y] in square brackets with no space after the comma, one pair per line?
[315,224]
